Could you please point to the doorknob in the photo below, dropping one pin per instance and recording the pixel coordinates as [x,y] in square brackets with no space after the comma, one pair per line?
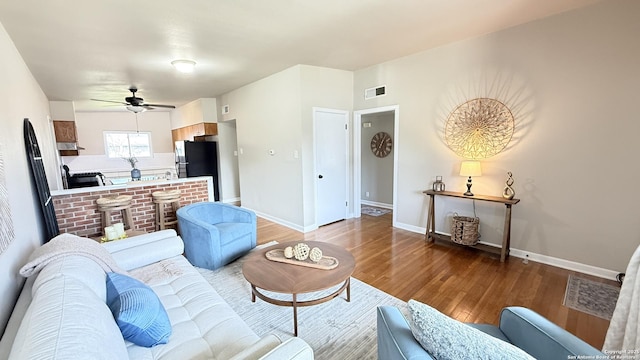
[320,176]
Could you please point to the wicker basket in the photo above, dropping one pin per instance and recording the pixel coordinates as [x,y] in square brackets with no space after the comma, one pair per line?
[464,230]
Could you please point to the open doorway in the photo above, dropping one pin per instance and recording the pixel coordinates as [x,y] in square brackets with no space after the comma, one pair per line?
[375,162]
[229,169]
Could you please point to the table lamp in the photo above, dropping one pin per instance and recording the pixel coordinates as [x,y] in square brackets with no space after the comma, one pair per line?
[470,168]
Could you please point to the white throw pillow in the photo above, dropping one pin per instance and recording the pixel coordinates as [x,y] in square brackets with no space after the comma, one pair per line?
[446,338]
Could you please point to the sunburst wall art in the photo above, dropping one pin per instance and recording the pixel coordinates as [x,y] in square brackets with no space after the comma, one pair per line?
[6,223]
[479,128]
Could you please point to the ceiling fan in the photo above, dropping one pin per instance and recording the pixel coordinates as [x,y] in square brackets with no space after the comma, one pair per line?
[136,104]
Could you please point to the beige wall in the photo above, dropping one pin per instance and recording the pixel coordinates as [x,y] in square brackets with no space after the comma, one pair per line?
[267,115]
[92,125]
[323,88]
[195,112]
[572,82]
[276,114]
[20,97]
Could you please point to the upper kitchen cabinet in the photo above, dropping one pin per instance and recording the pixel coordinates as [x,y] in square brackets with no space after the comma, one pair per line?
[195,120]
[195,130]
[65,131]
[66,137]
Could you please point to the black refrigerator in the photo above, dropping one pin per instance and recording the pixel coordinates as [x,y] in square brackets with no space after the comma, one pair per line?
[198,158]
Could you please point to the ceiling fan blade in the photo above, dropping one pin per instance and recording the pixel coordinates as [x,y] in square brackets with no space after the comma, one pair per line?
[162,106]
[109,101]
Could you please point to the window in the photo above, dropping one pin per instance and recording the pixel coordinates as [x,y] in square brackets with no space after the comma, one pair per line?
[125,145]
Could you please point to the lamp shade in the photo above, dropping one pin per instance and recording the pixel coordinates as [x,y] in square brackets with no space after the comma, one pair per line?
[470,168]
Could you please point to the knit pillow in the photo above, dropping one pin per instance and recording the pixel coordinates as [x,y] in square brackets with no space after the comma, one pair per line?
[137,310]
[446,338]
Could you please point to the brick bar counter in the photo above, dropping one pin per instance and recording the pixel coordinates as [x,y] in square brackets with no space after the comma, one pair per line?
[77,211]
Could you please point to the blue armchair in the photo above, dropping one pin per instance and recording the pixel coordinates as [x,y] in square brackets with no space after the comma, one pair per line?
[215,234]
[519,326]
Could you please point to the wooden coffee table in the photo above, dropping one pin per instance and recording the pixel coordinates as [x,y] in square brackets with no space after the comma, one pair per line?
[279,277]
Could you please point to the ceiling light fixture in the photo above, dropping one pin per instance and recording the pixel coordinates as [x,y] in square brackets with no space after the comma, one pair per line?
[184,66]
[136,109]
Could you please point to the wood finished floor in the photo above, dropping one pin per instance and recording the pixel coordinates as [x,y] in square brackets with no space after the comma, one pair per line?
[463,283]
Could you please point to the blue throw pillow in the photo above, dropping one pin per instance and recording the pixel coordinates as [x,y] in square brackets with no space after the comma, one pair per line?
[448,339]
[137,310]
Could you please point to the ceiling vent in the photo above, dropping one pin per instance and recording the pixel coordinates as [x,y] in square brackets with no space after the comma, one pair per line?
[375,92]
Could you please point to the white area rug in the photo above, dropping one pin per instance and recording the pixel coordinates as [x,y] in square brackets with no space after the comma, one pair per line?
[373,211]
[335,330]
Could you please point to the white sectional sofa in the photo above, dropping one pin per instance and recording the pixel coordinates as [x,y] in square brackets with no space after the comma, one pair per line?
[61,312]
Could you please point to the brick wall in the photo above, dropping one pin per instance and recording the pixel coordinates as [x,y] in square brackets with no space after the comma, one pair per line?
[78,213]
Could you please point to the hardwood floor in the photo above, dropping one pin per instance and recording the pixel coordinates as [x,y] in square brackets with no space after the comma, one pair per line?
[461,282]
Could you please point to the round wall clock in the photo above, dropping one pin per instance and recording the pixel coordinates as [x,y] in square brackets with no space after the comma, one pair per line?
[381,144]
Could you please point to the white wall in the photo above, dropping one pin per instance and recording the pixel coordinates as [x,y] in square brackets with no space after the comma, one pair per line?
[267,114]
[323,88]
[572,82]
[91,127]
[195,112]
[20,97]
[275,113]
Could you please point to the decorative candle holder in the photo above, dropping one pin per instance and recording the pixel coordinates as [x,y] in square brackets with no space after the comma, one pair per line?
[438,185]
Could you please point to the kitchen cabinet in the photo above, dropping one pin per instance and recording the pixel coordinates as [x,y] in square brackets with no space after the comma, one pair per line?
[65,131]
[191,131]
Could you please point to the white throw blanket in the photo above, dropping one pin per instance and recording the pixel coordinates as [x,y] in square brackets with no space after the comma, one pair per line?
[65,245]
[622,336]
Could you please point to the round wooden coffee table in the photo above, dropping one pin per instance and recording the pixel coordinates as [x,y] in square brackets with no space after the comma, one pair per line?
[278,277]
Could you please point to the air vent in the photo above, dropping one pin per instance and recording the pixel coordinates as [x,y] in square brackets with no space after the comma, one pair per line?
[225,109]
[375,92]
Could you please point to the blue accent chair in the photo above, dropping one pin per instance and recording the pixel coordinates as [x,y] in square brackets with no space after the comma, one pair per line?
[519,326]
[215,234]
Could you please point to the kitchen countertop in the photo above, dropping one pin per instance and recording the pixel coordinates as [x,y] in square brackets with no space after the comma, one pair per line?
[132,184]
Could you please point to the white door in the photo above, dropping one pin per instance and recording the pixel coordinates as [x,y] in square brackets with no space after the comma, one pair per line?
[331,152]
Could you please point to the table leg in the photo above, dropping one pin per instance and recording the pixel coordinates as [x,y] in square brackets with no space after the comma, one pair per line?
[253,293]
[430,218]
[295,315]
[349,289]
[506,236]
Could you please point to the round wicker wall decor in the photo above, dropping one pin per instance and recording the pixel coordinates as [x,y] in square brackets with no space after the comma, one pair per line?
[479,128]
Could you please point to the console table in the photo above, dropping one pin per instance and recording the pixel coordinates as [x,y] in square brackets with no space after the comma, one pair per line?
[431,234]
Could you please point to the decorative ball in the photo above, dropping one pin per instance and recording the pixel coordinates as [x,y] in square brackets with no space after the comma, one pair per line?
[288,252]
[301,251]
[315,255]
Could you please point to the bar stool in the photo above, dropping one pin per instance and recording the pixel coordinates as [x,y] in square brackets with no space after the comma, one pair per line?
[120,203]
[160,198]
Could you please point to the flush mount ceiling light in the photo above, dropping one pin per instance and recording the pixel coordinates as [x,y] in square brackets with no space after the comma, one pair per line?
[185,66]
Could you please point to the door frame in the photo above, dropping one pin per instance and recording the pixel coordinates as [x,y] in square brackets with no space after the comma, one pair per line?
[347,155]
[357,156]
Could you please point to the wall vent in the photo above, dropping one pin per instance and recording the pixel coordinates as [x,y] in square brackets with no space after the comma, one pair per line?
[225,109]
[375,92]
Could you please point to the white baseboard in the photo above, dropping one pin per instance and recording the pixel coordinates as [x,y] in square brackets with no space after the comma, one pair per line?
[412,228]
[284,223]
[377,204]
[543,259]
[232,200]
